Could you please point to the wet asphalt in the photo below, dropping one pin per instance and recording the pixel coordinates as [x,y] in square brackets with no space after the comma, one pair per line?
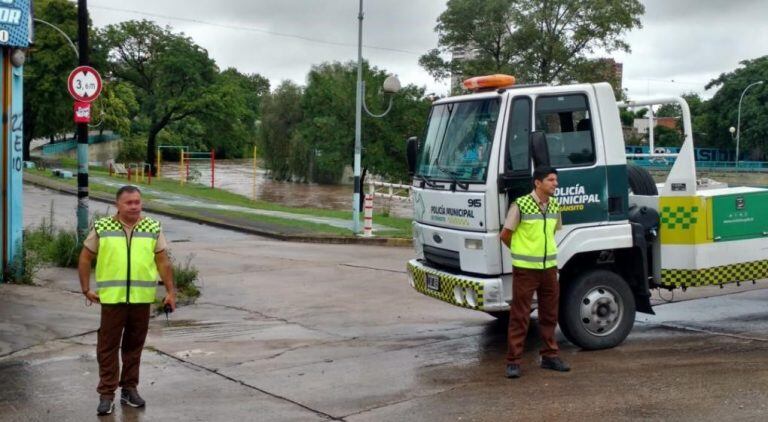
[301,332]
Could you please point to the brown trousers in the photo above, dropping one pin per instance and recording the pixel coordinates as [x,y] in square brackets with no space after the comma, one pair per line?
[123,327]
[524,283]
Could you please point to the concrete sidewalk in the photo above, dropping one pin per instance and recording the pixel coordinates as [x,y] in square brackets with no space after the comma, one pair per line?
[218,215]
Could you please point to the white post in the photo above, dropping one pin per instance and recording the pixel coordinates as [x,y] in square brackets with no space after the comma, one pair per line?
[650,130]
[368,215]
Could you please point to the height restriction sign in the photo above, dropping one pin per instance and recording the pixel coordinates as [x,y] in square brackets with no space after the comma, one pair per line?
[84,84]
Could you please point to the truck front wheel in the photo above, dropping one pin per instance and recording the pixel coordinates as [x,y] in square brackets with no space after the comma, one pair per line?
[597,310]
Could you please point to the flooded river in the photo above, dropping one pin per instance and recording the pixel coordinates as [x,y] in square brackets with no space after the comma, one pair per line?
[237,176]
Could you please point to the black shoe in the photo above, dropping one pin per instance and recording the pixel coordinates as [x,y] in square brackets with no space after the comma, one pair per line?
[106,406]
[555,364]
[131,397]
[513,370]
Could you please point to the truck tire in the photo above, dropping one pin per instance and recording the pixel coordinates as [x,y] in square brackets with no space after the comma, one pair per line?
[597,310]
[640,181]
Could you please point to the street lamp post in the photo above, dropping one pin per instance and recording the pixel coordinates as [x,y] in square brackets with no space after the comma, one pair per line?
[391,86]
[732,131]
[64,34]
[738,119]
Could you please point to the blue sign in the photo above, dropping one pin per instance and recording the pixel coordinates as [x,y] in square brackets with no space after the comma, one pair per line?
[15,23]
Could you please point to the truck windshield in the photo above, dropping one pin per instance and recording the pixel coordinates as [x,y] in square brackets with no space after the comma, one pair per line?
[458,141]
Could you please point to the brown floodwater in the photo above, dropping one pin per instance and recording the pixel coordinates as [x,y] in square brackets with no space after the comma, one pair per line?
[237,176]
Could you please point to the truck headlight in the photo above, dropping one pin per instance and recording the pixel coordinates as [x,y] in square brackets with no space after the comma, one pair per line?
[471,296]
[476,244]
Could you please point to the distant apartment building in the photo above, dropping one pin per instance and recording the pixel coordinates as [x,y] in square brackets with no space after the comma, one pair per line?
[460,54]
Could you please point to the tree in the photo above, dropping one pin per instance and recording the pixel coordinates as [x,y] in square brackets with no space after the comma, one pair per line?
[280,115]
[535,40]
[170,74]
[721,112]
[115,108]
[47,105]
[327,130]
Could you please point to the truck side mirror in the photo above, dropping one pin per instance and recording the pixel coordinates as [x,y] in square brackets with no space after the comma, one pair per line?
[539,149]
[411,153]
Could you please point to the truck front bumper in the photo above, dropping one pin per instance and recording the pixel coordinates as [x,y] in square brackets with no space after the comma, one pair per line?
[482,294]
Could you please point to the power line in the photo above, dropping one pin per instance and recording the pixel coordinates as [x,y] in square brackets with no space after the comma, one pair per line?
[252,29]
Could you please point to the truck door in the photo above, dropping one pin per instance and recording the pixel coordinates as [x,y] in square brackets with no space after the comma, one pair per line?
[515,173]
[515,178]
[567,122]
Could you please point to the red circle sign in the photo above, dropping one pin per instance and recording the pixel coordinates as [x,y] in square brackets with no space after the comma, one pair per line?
[84,84]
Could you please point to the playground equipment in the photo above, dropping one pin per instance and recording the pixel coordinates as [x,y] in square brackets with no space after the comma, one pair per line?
[159,158]
[193,161]
[138,172]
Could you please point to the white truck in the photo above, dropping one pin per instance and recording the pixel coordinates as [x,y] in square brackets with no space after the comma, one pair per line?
[622,234]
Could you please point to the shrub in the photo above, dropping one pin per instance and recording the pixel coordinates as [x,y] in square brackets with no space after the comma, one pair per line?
[184,276]
[132,150]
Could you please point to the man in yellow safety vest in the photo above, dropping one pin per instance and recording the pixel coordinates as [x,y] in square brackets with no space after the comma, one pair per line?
[529,232]
[131,252]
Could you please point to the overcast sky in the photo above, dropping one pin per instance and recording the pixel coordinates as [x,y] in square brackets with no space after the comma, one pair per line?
[683,43]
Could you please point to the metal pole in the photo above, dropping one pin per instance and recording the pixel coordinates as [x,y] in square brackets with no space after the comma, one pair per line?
[82,128]
[358,123]
[738,120]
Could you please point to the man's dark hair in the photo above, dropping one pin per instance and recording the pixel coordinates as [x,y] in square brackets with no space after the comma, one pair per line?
[127,189]
[541,172]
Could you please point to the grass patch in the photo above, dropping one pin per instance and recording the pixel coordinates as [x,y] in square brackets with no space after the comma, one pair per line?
[160,187]
[184,277]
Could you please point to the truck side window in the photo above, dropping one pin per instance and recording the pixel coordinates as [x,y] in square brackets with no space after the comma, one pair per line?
[517,157]
[566,121]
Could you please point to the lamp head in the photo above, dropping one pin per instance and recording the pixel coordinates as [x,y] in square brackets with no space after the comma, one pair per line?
[732,130]
[391,85]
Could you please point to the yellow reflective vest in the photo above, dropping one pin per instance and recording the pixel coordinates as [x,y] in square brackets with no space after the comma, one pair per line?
[126,273]
[533,243]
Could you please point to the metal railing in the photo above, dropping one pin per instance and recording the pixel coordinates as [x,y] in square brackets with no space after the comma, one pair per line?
[70,144]
[396,191]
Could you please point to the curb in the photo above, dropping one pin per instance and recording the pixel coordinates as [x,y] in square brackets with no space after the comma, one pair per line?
[339,240]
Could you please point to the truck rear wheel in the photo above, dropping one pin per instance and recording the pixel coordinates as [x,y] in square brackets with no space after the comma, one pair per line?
[640,181]
[597,310]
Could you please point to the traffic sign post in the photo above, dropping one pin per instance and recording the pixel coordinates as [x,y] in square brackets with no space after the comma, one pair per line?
[84,84]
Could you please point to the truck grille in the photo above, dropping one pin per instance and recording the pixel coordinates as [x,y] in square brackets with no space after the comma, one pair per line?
[442,257]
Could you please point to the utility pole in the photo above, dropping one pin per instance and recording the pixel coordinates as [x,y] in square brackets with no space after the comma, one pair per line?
[82,128]
[358,124]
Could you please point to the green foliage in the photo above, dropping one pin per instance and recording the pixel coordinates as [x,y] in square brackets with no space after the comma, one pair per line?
[183,98]
[721,112]
[47,104]
[666,137]
[535,41]
[281,113]
[327,128]
[184,277]
[132,150]
[627,117]
[44,245]
[115,108]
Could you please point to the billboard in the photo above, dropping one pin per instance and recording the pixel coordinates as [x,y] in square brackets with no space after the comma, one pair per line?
[15,23]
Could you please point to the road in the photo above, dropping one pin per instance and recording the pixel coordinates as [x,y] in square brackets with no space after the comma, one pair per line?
[295,332]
